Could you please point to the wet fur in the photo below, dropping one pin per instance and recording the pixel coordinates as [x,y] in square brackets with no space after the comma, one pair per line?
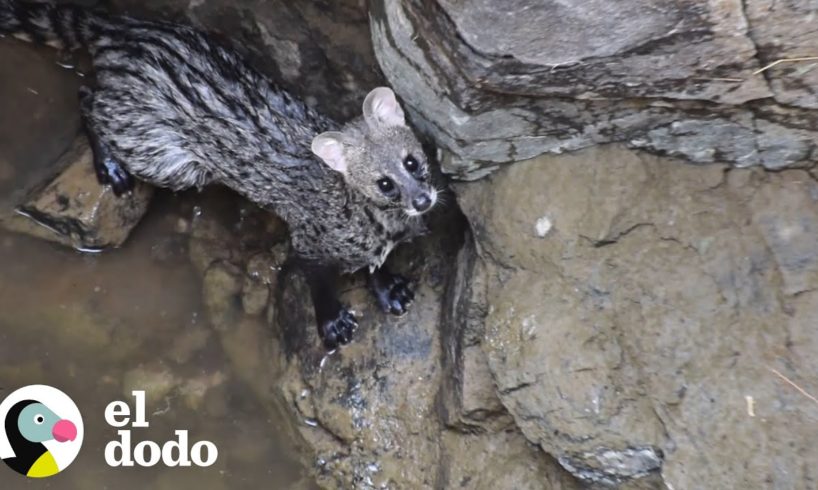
[179,110]
[174,108]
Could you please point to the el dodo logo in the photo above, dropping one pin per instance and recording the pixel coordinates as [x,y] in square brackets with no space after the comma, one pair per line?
[41,431]
[172,453]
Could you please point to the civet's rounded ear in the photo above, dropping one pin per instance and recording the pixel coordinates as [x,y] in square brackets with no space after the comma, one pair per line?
[381,108]
[329,147]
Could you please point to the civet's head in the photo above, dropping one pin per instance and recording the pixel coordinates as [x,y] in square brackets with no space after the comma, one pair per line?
[380,156]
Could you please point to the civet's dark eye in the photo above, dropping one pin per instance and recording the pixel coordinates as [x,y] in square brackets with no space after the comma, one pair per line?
[410,164]
[386,185]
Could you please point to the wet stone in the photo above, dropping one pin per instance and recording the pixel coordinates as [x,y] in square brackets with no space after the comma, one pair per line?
[74,209]
[635,342]
[222,288]
[156,380]
[666,76]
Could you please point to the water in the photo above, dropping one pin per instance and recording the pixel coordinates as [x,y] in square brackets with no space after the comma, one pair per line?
[96,326]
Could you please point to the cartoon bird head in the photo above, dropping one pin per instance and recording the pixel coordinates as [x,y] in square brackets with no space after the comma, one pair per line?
[28,425]
[37,423]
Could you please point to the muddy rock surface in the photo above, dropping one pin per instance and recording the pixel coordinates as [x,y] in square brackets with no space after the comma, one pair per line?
[75,210]
[496,84]
[371,414]
[371,410]
[640,317]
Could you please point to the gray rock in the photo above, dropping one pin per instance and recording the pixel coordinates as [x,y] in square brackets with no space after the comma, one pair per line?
[668,77]
[781,31]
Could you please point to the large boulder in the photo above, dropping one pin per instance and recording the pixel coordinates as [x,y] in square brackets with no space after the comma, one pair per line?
[497,83]
[643,316]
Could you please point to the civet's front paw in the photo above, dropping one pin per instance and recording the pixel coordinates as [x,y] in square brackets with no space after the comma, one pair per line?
[111,172]
[338,331]
[108,169]
[393,293]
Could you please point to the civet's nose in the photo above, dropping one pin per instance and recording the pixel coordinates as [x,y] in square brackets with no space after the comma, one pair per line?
[422,202]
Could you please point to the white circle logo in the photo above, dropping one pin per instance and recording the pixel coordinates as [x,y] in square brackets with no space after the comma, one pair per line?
[41,431]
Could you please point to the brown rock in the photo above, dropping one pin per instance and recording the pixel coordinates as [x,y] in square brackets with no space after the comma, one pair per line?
[222,294]
[210,242]
[638,334]
[76,210]
[261,277]
[499,461]
[31,84]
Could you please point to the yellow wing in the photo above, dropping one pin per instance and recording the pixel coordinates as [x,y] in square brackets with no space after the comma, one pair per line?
[44,466]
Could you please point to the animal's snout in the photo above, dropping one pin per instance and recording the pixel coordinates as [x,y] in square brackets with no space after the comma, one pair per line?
[422,202]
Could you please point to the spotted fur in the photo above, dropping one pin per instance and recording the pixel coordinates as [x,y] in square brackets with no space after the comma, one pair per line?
[180,110]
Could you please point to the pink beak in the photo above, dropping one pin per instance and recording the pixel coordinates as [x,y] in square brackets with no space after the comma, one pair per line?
[64,430]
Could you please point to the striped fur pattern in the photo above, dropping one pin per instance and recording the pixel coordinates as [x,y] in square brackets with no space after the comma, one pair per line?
[180,110]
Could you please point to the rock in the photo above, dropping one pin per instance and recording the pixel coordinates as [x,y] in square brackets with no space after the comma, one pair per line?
[502,460]
[210,242]
[162,385]
[237,251]
[170,250]
[783,31]
[47,184]
[32,84]
[249,345]
[468,394]
[156,380]
[319,50]
[226,228]
[642,334]
[193,391]
[666,77]
[262,277]
[185,346]
[369,412]
[254,297]
[357,406]
[222,288]
[60,199]
[76,210]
